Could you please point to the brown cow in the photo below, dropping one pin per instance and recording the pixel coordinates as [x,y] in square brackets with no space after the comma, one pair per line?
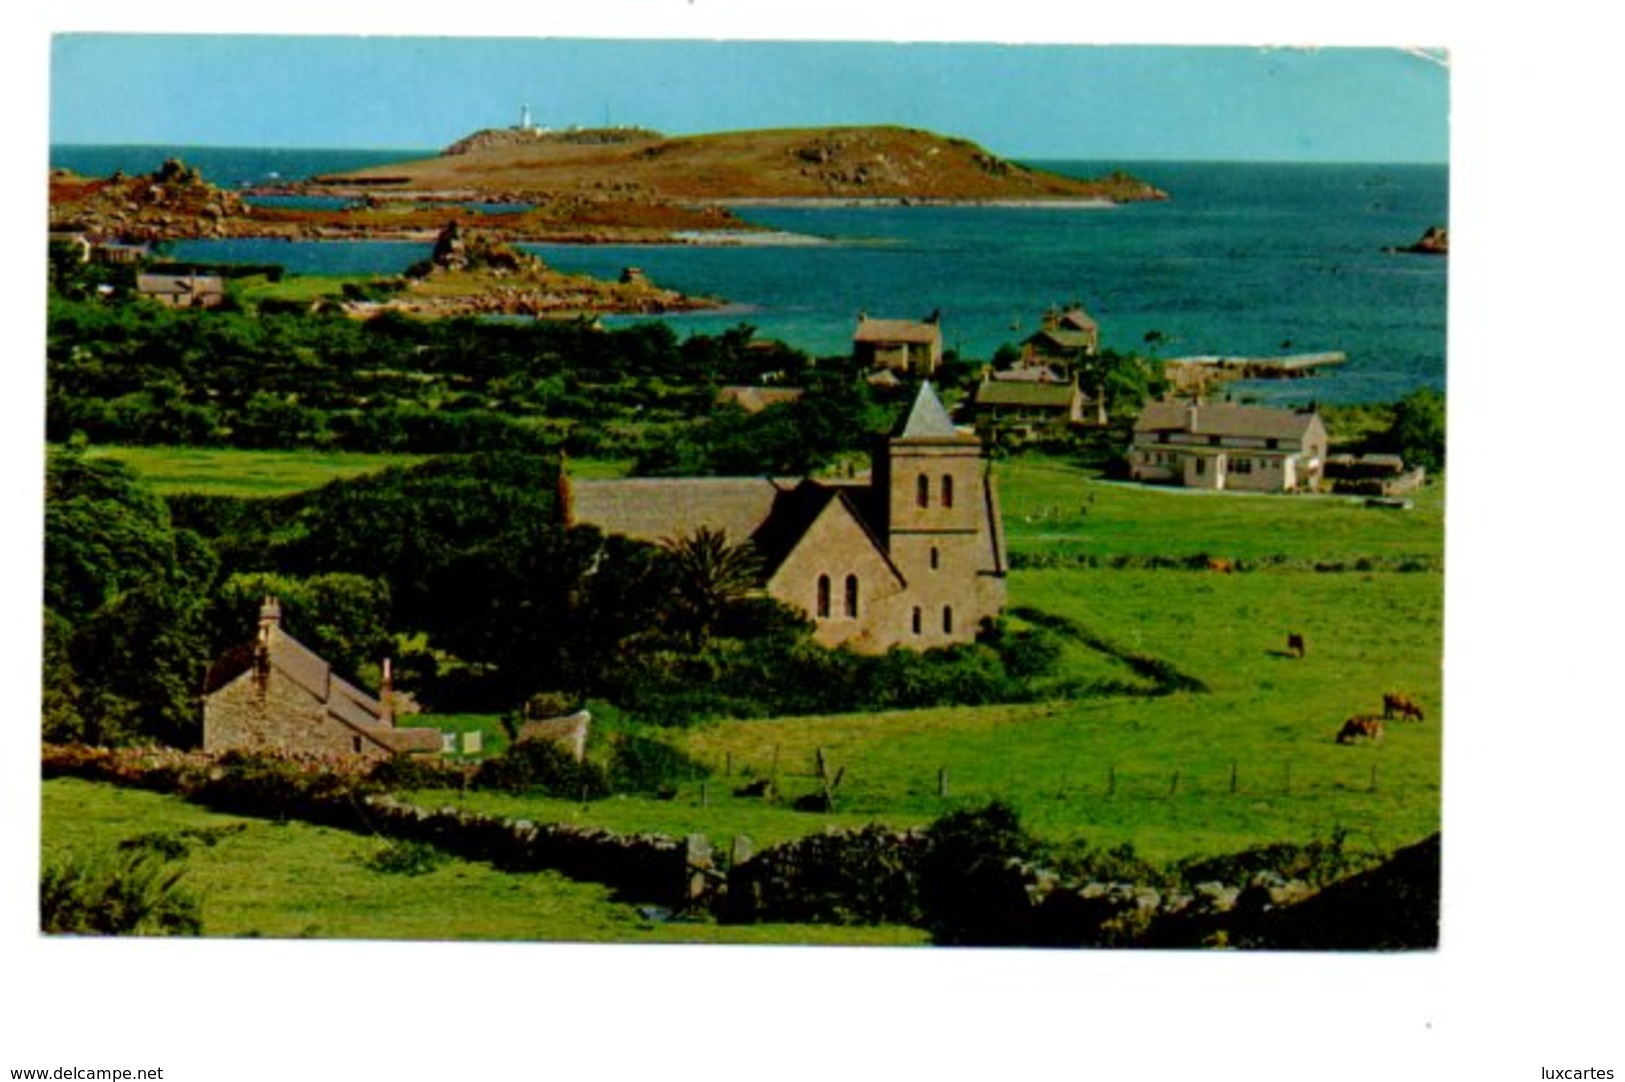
[1403,706]
[1295,646]
[1360,727]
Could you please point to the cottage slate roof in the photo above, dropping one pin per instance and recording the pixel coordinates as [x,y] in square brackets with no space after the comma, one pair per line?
[1027,393]
[1226,419]
[654,509]
[897,330]
[344,702]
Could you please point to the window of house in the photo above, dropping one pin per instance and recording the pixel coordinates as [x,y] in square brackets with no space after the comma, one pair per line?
[822,610]
[1272,443]
[1242,465]
[356,742]
[852,596]
[1201,466]
[947,619]
[1213,441]
[919,620]
[947,490]
[922,491]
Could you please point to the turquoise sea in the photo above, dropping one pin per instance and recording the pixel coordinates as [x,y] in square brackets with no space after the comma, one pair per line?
[1243,259]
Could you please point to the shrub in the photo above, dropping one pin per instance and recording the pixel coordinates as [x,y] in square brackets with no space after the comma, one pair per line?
[417,772]
[640,764]
[541,765]
[406,858]
[133,892]
[972,888]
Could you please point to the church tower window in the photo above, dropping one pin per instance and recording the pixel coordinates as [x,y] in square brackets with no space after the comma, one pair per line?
[922,491]
[947,490]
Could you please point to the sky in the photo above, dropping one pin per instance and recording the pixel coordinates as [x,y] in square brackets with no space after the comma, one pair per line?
[1030,101]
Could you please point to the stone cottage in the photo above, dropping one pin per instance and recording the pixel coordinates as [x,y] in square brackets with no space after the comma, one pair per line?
[913,556]
[1221,445]
[275,694]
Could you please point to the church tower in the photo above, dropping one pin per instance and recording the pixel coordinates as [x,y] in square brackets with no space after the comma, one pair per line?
[943,530]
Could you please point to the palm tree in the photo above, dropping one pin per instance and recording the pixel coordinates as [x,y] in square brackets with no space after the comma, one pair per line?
[712,576]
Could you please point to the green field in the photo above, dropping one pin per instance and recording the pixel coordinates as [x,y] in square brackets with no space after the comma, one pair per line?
[226,472]
[1249,761]
[293,880]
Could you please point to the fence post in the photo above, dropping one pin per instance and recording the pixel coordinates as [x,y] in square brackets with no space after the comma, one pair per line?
[1232,777]
[705,800]
[942,781]
[1111,779]
[1289,779]
[1373,778]
[1173,786]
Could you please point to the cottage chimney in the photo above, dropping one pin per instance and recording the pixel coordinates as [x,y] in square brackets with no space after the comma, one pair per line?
[565,498]
[270,616]
[386,695]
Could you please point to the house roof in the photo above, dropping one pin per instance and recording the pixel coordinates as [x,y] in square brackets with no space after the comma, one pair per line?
[656,508]
[1077,319]
[757,399]
[1030,393]
[1226,419]
[1062,338]
[178,284]
[897,330]
[344,702]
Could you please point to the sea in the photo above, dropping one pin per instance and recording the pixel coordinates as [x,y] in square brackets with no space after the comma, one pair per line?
[1243,259]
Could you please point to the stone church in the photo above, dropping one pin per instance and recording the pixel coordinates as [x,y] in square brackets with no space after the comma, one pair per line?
[913,556]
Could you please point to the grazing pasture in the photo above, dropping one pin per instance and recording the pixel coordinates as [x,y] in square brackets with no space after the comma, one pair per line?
[1251,760]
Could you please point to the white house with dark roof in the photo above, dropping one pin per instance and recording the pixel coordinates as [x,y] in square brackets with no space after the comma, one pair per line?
[1222,445]
[912,557]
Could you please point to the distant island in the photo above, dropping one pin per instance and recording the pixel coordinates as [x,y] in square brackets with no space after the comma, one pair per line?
[793,164]
[615,185]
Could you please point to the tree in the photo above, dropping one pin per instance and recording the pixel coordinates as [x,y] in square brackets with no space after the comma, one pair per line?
[712,576]
[1417,434]
[123,593]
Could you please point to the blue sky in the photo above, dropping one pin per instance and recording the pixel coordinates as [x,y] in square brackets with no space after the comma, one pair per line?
[1032,101]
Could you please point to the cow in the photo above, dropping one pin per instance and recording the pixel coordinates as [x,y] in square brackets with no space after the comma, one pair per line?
[1360,727]
[1401,706]
[1222,567]
[1295,645]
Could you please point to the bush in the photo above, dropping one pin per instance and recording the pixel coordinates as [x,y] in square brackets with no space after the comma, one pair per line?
[640,764]
[133,892]
[406,858]
[971,885]
[543,766]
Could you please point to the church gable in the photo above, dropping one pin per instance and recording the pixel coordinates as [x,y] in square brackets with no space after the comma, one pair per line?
[840,576]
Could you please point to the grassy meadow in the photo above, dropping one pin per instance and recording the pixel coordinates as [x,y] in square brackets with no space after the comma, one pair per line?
[291,880]
[216,471]
[1249,761]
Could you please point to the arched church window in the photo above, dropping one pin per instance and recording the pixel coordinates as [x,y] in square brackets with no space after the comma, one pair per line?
[947,619]
[852,596]
[822,610]
[922,491]
[947,490]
